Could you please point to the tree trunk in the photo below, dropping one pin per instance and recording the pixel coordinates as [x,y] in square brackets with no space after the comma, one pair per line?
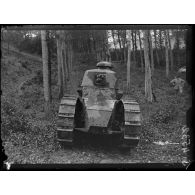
[49,59]
[141,56]
[133,44]
[92,42]
[177,47]
[114,45]
[108,56]
[64,74]
[160,39]
[148,78]
[46,87]
[59,61]
[151,53]
[128,59]
[64,55]
[124,51]
[166,54]
[119,44]
[156,48]
[170,49]
[2,36]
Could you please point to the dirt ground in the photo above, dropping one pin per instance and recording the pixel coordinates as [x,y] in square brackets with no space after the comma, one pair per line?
[29,136]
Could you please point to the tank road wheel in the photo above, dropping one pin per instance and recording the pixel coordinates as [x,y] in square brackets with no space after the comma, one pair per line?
[65,127]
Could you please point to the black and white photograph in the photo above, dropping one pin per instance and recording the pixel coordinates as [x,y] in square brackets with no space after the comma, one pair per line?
[96,95]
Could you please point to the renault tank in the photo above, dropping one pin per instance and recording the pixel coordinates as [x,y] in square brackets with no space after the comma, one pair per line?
[99,109]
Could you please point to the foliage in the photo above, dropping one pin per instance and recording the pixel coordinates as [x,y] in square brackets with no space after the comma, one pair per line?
[12,120]
[29,136]
[165,115]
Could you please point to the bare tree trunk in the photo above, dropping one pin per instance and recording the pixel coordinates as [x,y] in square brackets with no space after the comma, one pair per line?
[108,56]
[160,39]
[156,49]
[115,45]
[91,39]
[46,87]
[151,53]
[141,56]
[119,44]
[124,41]
[128,59]
[135,42]
[64,74]
[166,54]
[49,59]
[170,49]
[71,58]
[132,38]
[148,78]
[64,54]
[59,61]
[177,47]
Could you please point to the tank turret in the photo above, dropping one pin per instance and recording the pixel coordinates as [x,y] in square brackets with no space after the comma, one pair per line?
[104,65]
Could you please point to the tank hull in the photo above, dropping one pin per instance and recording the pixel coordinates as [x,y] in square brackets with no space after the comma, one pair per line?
[96,119]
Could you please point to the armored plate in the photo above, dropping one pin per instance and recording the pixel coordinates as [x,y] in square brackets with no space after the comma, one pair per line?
[99,77]
[95,105]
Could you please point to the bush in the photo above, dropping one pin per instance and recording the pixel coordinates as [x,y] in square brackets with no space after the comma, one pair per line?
[164,114]
[12,120]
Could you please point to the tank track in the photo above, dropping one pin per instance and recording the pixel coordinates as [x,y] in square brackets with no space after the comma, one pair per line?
[65,123]
[132,125]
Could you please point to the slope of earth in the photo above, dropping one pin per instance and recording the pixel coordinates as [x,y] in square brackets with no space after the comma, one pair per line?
[29,135]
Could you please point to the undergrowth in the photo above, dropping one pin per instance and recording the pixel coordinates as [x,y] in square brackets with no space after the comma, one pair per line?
[29,135]
[19,132]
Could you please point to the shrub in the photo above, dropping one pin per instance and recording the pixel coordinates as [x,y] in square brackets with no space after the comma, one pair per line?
[165,114]
[12,120]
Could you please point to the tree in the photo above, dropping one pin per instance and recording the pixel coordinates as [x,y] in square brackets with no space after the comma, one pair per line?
[64,58]
[59,61]
[148,76]
[114,42]
[135,46]
[170,49]
[119,41]
[177,43]
[160,39]
[156,49]
[107,51]
[151,52]
[46,75]
[133,43]
[166,54]
[124,42]
[141,56]
[128,59]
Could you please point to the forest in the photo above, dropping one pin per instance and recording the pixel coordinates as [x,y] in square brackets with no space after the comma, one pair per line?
[39,67]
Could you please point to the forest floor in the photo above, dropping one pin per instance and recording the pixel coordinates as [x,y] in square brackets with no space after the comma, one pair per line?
[29,136]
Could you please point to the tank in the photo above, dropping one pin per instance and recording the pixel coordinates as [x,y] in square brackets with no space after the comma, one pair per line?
[99,109]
